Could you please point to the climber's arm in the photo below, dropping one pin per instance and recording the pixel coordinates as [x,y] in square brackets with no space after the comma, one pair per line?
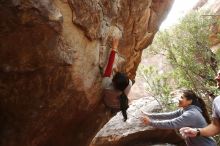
[108,70]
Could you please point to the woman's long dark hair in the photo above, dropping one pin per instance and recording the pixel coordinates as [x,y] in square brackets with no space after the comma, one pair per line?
[120,82]
[197,101]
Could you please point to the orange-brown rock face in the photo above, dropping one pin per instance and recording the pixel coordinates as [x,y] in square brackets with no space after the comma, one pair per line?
[50,81]
[214,7]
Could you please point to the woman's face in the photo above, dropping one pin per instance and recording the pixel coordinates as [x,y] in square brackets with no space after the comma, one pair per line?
[184,102]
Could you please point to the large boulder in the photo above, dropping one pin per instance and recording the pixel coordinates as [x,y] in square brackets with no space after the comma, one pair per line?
[133,132]
[50,81]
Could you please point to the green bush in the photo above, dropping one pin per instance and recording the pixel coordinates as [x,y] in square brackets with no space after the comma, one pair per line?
[186,47]
[194,66]
[157,85]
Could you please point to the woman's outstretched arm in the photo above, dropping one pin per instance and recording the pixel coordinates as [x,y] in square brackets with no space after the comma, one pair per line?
[184,120]
[164,116]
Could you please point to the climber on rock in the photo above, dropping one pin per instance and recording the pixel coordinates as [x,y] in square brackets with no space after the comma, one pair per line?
[116,85]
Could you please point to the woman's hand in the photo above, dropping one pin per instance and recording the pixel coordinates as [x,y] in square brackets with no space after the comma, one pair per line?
[188,132]
[145,120]
[115,42]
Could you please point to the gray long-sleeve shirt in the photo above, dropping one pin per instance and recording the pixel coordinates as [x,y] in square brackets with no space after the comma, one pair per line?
[216,108]
[190,116]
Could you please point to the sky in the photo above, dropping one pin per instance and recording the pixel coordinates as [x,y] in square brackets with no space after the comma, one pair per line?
[178,10]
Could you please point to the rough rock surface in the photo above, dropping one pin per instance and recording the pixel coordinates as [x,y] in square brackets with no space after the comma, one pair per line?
[133,132]
[50,81]
[214,6]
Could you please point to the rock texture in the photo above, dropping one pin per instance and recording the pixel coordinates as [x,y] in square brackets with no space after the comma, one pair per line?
[133,132]
[214,7]
[50,82]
